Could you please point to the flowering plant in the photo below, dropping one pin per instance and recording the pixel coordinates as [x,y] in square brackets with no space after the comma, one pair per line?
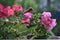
[11,20]
[15,22]
[43,25]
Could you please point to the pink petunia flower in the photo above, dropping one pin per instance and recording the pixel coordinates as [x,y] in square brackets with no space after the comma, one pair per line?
[20,9]
[15,7]
[8,11]
[48,22]
[1,7]
[25,20]
[28,15]
[2,15]
[48,14]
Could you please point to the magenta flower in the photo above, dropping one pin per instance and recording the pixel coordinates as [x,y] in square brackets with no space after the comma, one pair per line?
[48,14]
[28,15]
[8,11]
[1,7]
[15,7]
[25,20]
[2,15]
[20,9]
[48,22]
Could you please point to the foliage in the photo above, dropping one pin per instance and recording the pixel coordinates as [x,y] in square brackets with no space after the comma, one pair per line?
[27,4]
[7,2]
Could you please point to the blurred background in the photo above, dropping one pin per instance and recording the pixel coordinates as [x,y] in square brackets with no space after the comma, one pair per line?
[39,6]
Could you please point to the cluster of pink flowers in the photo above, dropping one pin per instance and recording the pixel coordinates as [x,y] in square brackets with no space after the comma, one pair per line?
[26,20]
[5,12]
[47,21]
[8,11]
[17,8]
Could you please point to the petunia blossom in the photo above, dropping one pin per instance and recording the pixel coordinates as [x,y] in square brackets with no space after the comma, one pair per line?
[48,22]
[25,20]
[2,15]
[8,11]
[28,15]
[20,9]
[15,7]
[48,14]
[1,7]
